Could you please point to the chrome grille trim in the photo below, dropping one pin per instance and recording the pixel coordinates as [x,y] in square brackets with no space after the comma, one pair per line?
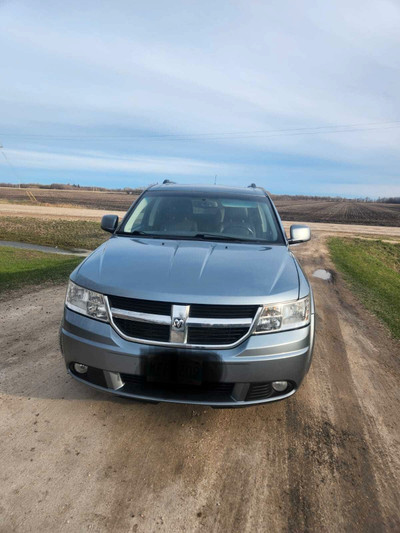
[180,340]
[219,322]
[141,317]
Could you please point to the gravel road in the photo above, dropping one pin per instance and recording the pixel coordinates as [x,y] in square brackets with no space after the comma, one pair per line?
[41,211]
[327,459]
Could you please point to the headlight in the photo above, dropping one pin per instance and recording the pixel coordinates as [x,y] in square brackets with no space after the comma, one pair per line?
[86,302]
[284,316]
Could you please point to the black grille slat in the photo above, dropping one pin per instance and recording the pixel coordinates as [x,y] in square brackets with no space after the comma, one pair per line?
[259,391]
[143,330]
[133,378]
[209,336]
[140,306]
[223,311]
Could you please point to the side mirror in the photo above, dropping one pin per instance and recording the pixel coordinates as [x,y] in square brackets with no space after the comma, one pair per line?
[299,233]
[109,223]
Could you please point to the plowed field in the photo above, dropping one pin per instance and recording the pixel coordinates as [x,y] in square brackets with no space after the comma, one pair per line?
[303,210]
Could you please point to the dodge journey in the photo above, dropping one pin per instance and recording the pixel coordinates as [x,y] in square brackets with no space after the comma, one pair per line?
[195,298]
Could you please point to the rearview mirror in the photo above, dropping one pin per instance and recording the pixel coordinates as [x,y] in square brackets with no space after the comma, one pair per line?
[109,223]
[299,233]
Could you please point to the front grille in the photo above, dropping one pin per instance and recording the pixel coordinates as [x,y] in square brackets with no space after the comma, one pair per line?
[210,336]
[203,324]
[143,330]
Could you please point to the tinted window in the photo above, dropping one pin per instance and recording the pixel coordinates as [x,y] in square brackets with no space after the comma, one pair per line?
[186,215]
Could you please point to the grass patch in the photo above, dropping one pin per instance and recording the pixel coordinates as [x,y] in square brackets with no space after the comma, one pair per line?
[373,270]
[68,234]
[26,267]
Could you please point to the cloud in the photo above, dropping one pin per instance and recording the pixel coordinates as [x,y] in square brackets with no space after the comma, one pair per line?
[112,163]
[130,68]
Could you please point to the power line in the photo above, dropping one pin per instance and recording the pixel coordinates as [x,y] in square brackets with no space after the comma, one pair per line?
[315,130]
[14,170]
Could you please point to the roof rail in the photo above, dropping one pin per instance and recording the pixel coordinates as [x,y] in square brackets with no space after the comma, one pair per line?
[252,186]
[166,182]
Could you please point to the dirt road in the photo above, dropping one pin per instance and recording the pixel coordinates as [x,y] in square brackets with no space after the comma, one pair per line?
[68,213]
[326,459]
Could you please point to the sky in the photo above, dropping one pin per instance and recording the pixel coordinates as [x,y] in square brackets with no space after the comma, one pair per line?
[300,97]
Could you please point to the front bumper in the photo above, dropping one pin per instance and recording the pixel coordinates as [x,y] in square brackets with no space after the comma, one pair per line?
[235,377]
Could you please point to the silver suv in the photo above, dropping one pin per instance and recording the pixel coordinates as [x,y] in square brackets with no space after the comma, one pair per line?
[196,298]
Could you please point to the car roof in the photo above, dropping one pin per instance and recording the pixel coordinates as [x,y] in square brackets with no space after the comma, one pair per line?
[219,189]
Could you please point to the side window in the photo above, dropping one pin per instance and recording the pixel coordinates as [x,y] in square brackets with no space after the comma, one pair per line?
[153,212]
[137,216]
[262,216]
[255,221]
[272,232]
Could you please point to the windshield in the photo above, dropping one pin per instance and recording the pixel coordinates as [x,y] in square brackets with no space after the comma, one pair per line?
[244,218]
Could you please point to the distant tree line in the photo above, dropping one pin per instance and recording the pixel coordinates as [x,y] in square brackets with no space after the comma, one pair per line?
[138,190]
[390,200]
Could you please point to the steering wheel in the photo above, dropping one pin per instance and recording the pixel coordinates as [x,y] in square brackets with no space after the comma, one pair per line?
[232,227]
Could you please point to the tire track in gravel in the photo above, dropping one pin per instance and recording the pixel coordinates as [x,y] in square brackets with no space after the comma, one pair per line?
[327,459]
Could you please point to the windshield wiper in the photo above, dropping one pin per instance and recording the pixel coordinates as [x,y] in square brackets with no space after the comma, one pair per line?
[205,236]
[219,237]
[138,232]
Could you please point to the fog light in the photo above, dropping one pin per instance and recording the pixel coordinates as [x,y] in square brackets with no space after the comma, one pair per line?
[279,386]
[80,368]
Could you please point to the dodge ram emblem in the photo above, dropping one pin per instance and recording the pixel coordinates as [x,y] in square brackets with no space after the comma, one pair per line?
[178,323]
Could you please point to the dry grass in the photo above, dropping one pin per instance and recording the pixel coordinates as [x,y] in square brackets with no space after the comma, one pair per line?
[67,234]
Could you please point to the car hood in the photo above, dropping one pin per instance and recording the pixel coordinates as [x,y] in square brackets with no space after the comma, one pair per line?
[184,271]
